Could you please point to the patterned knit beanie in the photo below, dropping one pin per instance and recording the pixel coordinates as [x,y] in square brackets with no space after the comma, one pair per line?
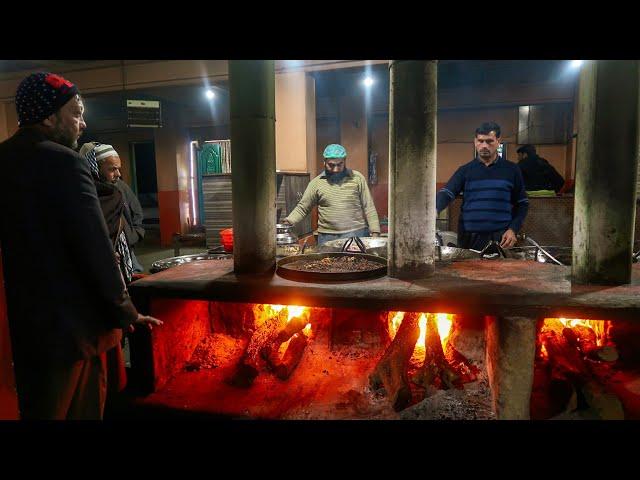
[40,95]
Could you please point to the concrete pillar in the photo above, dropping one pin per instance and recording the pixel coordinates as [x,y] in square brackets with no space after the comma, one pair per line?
[253,164]
[171,144]
[295,125]
[8,120]
[511,346]
[412,168]
[4,133]
[353,132]
[606,169]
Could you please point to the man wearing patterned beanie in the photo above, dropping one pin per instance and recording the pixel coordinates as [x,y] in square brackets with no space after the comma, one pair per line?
[66,301]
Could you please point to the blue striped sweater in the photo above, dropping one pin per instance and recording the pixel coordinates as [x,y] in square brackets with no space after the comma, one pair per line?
[494,198]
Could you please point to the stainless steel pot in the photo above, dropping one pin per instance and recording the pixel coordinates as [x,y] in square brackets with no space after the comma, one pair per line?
[285,234]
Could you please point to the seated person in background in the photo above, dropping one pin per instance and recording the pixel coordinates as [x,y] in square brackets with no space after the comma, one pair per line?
[537,172]
[345,206]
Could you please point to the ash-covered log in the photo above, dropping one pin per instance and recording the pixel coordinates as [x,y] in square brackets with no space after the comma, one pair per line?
[258,349]
[391,370]
[292,356]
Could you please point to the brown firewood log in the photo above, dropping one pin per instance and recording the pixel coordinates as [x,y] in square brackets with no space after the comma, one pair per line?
[564,357]
[292,356]
[391,370]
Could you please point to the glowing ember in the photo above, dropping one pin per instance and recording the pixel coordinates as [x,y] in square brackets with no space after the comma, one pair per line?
[307,330]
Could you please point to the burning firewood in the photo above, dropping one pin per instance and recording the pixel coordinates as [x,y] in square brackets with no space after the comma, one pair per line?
[581,337]
[391,370]
[253,358]
[574,359]
[565,357]
[292,356]
[435,369]
[269,352]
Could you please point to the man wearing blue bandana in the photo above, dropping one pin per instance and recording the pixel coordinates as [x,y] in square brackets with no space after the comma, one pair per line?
[345,206]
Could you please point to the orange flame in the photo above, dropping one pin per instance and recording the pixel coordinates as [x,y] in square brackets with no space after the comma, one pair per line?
[292,310]
[444,321]
[543,351]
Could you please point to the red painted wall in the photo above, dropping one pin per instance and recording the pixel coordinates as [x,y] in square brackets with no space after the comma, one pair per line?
[8,398]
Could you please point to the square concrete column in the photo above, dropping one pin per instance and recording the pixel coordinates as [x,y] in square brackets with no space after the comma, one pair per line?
[412,168]
[296,122]
[606,170]
[253,164]
[511,347]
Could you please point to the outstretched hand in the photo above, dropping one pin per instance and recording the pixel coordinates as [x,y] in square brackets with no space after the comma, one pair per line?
[147,320]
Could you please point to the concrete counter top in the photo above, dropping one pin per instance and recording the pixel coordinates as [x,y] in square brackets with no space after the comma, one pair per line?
[490,287]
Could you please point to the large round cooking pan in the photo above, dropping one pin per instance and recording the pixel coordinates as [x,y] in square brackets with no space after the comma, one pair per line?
[302,276]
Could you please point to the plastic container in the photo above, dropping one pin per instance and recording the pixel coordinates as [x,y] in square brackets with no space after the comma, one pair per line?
[226,236]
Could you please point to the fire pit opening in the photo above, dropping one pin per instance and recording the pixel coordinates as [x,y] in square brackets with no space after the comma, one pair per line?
[586,369]
[293,361]
[300,362]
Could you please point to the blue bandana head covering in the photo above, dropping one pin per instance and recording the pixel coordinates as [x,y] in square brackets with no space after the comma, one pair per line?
[334,151]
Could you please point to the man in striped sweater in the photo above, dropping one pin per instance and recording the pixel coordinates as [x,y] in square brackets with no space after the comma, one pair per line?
[495,202]
[345,206]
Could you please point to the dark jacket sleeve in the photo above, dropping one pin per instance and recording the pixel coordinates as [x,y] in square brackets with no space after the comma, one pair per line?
[450,190]
[519,200]
[133,229]
[85,232]
[556,181]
